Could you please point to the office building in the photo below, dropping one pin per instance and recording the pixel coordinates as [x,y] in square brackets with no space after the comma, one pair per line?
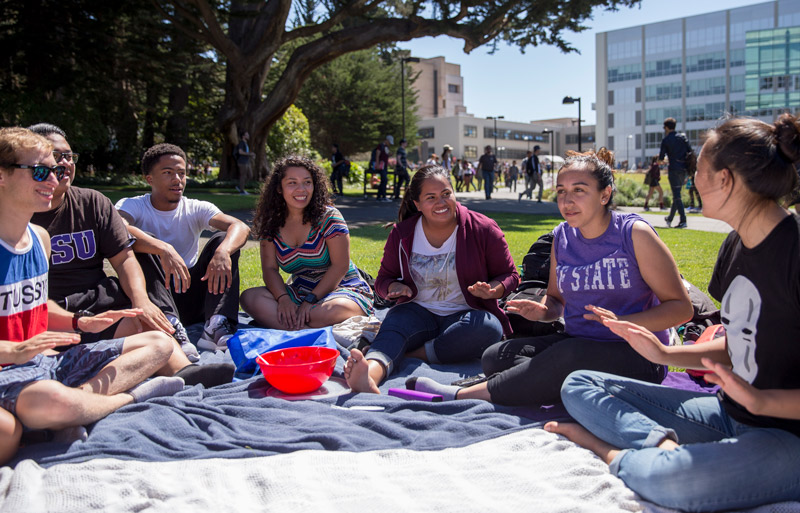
[743,61]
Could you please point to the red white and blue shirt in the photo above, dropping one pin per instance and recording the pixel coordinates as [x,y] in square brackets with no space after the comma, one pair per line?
[23,290]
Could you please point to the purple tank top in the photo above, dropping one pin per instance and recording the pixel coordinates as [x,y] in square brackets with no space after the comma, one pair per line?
[603,272]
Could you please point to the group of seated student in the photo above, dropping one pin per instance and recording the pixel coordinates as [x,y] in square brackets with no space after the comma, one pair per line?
[612,279]
[617,287]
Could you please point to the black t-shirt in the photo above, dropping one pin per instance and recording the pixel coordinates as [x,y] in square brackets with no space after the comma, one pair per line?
[487,162]
[84,230]
[759,292]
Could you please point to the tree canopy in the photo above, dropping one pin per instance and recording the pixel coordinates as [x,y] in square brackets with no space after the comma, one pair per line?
[253,36]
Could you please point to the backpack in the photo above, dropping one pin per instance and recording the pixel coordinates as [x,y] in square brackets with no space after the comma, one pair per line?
[377,301]
[373,157]
[691,156]
[532,290]
[536,264]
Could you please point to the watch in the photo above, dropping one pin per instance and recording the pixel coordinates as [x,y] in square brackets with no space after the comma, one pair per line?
[77,315]
[310,298]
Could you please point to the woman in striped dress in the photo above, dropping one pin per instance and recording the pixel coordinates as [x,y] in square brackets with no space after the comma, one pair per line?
[304,236]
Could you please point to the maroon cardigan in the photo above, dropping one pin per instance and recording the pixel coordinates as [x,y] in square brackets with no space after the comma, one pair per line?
[481,255]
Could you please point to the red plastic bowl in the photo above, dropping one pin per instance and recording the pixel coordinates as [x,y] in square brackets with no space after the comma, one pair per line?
[298,370]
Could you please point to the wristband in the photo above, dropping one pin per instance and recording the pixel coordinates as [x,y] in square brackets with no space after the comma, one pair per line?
[279,297]
[77,315]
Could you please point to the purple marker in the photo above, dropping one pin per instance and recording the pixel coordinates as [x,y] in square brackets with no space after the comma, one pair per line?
[413,395]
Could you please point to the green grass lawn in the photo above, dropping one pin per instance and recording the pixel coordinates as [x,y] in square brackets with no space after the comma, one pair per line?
[694,251]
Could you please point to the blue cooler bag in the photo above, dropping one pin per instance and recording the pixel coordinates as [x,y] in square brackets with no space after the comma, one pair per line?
[246,345]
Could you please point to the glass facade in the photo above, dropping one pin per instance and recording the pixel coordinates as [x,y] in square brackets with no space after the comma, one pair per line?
[772,69]
[470,131]
[742,61]
[513,135]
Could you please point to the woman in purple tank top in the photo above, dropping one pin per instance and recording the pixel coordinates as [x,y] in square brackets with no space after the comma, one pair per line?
[604,264]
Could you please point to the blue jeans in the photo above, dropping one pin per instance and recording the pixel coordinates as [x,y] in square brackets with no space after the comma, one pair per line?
[721,464]
[451,338]
[488,183]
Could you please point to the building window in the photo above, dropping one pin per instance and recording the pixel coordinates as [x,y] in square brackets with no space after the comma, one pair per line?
[611,97]
[470,152]
[470,131]
[668,91]
[610,120]
[611,142]
[585,138]
[627,72]
[513,135]
[452,88]
[425,132]
[638,141]
[638,118]
[706,61]
[663,67]
[653,140]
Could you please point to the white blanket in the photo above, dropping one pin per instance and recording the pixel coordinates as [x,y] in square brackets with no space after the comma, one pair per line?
[527,471]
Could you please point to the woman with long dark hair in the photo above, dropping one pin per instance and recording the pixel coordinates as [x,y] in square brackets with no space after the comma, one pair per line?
[446,266]
[304,236]
[739,448]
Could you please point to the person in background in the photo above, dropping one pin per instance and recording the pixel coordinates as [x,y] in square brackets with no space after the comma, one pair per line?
[382,166]
[655,184]
[513,176]
[486,167]
[401,169]
[338,170]
[675,147]
[244,161]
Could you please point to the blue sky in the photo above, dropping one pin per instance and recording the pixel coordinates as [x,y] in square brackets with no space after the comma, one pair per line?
[525,87]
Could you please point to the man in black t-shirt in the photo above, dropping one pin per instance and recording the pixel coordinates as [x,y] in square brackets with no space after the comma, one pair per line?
[676,147]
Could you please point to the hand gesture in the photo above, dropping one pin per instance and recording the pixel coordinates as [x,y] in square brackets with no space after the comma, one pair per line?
[175,269]
[218,273]
[734,386]
[640,339]
[99,322]
[531,310]
[152,318]
[599,314]
[398,289]
[22,352]
[287,312]
[484,290]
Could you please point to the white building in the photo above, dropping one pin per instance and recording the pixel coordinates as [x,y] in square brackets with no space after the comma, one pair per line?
[695,70]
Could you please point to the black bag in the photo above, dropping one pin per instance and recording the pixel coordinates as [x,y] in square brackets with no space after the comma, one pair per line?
[377,301]
[533,290]
[536,264]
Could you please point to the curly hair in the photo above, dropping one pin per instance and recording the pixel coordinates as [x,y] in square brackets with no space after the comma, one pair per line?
[599,163]
[270,214]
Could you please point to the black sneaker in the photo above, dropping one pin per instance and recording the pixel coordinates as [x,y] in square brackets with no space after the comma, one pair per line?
[682,224]
[668,221]
[186,345]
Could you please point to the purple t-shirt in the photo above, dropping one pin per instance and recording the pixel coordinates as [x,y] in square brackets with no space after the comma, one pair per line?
[603,272]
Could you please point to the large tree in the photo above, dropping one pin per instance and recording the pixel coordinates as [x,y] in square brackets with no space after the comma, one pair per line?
[253,36]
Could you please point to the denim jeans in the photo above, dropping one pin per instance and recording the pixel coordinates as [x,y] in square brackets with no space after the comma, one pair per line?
[447,339]
[384,173]
[721,464]
[488,183]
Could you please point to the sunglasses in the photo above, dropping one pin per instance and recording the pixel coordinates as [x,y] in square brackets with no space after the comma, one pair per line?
[71,157]
[40,172]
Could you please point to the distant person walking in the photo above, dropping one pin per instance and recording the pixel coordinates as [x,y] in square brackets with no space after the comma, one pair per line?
[401,169]
[382,166]
[467,171]
[486,165]
[513,175]
[690,185]
[654,176]
[244,159]
[676,147]
[533,175]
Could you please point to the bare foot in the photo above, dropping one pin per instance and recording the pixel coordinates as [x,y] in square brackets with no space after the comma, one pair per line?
[578,434]
[356,373]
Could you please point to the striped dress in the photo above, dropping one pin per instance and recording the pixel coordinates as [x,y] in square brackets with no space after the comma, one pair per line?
[308,263]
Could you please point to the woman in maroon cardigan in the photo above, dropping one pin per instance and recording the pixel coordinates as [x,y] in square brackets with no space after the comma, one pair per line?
[446,266]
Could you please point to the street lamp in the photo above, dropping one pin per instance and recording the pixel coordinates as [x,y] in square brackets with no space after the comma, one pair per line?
[568,100]
[403,61]
[495,118]
[628,151]
[551,134]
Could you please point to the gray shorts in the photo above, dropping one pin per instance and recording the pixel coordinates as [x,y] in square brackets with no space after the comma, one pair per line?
[72,368]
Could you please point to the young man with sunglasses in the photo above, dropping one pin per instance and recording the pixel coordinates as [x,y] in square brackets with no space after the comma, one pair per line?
[44,389]
[85,229]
